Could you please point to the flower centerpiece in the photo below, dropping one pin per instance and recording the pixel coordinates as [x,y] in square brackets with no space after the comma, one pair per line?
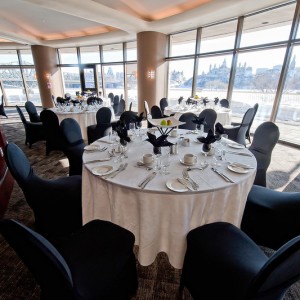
[159,142]
[207,141]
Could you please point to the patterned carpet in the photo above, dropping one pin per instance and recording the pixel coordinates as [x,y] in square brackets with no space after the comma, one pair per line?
[158,281]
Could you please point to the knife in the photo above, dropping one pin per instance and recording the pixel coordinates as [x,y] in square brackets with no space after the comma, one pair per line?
[185,183]
[222,175]
[239,153]
[98,160]
[143,185]
[144,180]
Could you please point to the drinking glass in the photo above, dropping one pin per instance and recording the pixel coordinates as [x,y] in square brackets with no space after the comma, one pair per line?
[165,160]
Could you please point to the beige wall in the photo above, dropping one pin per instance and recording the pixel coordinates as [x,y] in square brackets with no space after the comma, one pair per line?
[151,53]
[48,74]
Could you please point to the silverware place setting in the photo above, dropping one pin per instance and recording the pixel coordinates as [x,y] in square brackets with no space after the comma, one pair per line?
[186,176]
[226,178]
[145,181]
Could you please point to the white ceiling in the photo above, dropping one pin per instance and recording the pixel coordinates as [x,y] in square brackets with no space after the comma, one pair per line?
[63,23]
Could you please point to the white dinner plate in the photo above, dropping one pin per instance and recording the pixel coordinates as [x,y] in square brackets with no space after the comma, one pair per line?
[102,170]
[236,169]
[175,186]
[92,148]
[181,160]
[236,146]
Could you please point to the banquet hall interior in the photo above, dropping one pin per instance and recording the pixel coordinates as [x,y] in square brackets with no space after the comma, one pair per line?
[74,58]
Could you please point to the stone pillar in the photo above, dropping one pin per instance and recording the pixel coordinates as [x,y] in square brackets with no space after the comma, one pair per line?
[151,67]
[48,74]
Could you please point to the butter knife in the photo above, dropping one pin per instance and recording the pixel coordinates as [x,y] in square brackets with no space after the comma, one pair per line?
[222,175]
[144,180]
[98,160]
[148,180]
[185,183]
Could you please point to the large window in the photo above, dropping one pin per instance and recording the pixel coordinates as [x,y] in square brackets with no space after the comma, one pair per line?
[183,43]
[180,79]
[131,50]
[89,55]
[112,53]
[268,27]
[71,80]
[256,81]
[114,79]
[131,79]
[288,116]
[32,85]
[213,76]
[68,56]
[218,37]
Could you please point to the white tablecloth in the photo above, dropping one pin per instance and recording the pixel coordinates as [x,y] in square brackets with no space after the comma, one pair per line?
[223,115]
[84,118]
[159,218]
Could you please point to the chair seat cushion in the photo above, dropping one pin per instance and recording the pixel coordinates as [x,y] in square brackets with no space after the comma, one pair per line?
[98,267]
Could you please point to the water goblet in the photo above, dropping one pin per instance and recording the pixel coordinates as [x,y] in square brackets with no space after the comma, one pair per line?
[165,160]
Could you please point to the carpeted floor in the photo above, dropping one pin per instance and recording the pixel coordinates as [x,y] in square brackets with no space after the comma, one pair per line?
[157,281]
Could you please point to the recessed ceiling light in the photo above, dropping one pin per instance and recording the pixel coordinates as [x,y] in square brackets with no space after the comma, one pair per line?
[264,23]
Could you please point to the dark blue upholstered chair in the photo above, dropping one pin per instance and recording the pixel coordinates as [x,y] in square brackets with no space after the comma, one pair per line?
[188,119]
[222,262]
[54,138]
[56,203]
[271,218]
[238,133]
[210,116]
[74,144]
[34,132]
[96,262]
[264,140]
[34,117]
[103,126]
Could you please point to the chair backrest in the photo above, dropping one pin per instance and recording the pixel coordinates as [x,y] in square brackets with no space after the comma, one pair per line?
[188,119]
[2,110]
[163,103]
[116,103]
[43,260]
[111,96]
[121,107]
[103,115]
[22,117]
[224,103]
[156,112]
[180,99]
[32,112]
[255,107]
[128,117]
[264,140]
[210,116]
[130,106]
[241,134]
[71,132]
[17,163]
[279,272]
[91,100]
[68,96]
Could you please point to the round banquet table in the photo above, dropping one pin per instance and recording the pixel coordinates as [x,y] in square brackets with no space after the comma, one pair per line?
[161,218]
[223,114]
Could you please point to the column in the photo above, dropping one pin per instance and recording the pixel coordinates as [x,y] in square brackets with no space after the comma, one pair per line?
[48,74]
[151,67]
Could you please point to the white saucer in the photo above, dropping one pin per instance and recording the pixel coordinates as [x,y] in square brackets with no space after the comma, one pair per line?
[236,146]
[175,186]
[239,170]
[102,170]
[181,160]
[143,164]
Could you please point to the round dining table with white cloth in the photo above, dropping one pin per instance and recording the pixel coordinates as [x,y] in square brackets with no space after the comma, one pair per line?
[160,218]
[84,117]
[223,114]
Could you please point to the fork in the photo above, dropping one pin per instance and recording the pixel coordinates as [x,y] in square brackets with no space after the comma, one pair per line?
[122,169]
[186,176]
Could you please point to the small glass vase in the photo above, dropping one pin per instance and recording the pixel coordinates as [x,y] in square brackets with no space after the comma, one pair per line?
[206,147]
[156,150]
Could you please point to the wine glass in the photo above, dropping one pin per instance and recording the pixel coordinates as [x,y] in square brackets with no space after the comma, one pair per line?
[132,128]
[139,126]
[205,149]
[165,160]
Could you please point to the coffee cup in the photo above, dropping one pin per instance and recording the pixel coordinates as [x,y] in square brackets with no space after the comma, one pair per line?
[147,158]
[189,159]
[173,133]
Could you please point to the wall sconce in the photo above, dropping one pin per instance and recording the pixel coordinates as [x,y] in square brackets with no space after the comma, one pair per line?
[151,74]
[48,80]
